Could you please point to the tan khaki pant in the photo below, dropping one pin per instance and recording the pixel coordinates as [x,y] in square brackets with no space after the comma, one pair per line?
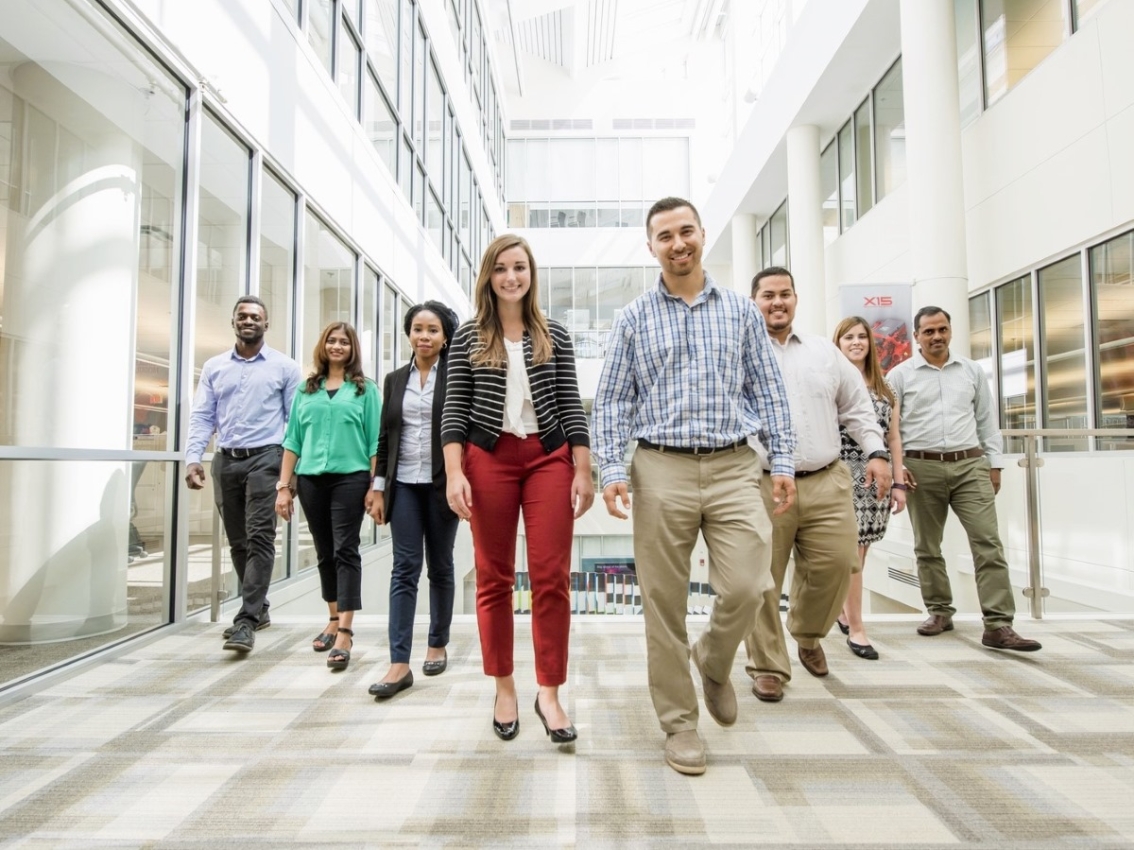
[675,496]
[821,528]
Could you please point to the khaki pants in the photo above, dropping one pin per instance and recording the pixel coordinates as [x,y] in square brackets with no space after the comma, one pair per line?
[965,487]
[821,528]
[675,497]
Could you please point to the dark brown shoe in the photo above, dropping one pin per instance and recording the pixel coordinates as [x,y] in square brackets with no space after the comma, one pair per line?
[935,625]
[1006,638]
[814,661]
[768,688]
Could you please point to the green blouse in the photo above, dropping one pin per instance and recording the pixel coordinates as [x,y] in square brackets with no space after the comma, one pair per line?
[337,434]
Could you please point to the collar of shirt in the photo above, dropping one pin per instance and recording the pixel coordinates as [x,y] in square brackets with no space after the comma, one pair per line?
[709,289]
[919,360]
[259,355]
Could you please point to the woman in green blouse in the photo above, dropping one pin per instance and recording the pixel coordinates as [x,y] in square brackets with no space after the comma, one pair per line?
[330,445]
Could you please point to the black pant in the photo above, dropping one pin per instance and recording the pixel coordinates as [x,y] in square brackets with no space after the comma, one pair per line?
[420,524]
[334,504]
[245,492]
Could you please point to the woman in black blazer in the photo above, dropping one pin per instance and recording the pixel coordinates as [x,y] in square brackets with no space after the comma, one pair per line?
[409,493]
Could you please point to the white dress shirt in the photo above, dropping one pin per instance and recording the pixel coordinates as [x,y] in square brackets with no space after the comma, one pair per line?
[519,412]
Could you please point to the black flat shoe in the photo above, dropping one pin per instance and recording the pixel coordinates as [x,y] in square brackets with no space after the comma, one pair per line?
[435,668]
[324,641]
[868,652]
[385,690]
[340,658]
[558,736]
[504,731]
[843,627]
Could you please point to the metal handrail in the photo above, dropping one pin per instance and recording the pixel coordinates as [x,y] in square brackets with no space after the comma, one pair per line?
[1031,462]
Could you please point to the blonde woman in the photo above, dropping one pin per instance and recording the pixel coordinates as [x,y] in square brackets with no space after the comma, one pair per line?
[515,437]
[856,341]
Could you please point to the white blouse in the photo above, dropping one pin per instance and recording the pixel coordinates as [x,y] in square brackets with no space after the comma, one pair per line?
[519,413]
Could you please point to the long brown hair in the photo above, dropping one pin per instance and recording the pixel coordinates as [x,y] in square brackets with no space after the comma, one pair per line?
[872,368]
[352,368]
[490,351]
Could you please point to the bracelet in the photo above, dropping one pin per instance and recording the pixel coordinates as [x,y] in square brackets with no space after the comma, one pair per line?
[897,486]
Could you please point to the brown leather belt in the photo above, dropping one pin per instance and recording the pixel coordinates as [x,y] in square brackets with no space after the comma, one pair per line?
[947,457]
[692,450]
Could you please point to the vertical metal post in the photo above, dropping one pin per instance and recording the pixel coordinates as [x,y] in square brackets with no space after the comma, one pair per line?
[216,592]
[1035,590]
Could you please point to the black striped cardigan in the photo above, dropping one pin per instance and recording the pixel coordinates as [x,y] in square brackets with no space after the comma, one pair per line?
[474,400]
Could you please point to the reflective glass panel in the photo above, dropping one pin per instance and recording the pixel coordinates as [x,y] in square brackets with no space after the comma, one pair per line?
[829,189]
[1018,35]
[435,106]
[968,58]
[1017,358]
[380,126]
[1065,362]
[980,336]
[863,160]
[382,42]
[846,174]
[1112,294]
[778,251]
[419,91]
[347,68]
[328,275]
[562,302]
[320,23]
[277,258]
[890,132]
[1085,9]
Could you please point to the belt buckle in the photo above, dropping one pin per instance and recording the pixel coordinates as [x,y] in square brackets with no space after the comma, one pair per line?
[240,454]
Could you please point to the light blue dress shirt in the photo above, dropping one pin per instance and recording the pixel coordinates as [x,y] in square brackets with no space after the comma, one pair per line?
[415,450]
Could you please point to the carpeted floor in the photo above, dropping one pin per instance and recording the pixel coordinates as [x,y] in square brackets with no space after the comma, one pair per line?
[941,744]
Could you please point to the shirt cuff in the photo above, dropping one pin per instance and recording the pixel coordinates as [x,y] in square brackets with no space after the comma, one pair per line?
[379,483]
[613,473]
[783,466]
[191,459]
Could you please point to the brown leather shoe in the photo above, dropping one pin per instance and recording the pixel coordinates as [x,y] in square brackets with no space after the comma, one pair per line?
[1006,638]
[814,661]
[935,625]
[685,752]
[720,698]
[768,688]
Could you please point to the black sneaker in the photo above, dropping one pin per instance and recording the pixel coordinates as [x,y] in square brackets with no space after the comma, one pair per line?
[242,639]
[265,621]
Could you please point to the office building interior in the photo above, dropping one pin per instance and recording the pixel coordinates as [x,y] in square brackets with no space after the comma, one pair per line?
[344,160]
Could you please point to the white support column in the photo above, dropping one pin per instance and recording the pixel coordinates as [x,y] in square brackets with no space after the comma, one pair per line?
[745,252]
[805,229]
[939,258]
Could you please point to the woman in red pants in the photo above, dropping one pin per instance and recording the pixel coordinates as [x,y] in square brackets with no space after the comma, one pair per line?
[515,437]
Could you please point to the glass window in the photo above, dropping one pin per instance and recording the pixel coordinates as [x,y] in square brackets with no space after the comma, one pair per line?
[617,287]
[1112,296]
[380,126]
[829,189]
[778,234]
[630,170]
[1017,359]
[349,53]
[405,59]
[382,42]
[277,258]
[293,7]
[419,193]
[320,22]
[573,177]
[1064,350]
[561,299]
[466,189]
[863,159]
[405,168]
[1018,35]
[968,58]
[517,173]
[1085,10]
[606,170]
[433,219]
[368,324]
[435,105]
[328,276]
[586,304]
[665,163]
[419,90]
[980,335]
[539,167]
[476,51]
[846,174]
[390,322]
[222,236]
[890,132]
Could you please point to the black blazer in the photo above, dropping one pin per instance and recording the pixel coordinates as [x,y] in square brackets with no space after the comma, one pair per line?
[390,431]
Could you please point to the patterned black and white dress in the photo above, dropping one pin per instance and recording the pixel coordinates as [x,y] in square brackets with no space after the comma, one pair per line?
[872,515]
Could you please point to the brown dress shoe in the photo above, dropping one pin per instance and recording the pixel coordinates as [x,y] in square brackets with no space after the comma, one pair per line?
[685,752]
[720,698]
[813,660]
[935,625]
[768,688]
[1006,638]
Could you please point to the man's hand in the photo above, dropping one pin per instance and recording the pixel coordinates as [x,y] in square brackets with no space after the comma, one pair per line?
[195,476]
[994,477]
[783,493]
[878,473]
[617,498]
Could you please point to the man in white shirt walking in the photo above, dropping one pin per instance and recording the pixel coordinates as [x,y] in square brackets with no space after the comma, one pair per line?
[824,391]
[952,445]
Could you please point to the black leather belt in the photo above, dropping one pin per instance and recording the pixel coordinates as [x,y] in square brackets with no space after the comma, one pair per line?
[243,453]
[947,457]
[700,451]
[803,473]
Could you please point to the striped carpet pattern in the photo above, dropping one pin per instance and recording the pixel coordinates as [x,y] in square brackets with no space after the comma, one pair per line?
[941,744]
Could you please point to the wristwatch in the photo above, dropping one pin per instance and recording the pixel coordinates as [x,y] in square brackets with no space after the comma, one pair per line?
[882,454]
[282,485]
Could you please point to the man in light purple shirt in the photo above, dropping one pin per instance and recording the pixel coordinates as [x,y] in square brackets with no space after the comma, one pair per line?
[244,397]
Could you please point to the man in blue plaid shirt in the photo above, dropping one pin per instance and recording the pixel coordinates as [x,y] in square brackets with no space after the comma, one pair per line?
[690,374]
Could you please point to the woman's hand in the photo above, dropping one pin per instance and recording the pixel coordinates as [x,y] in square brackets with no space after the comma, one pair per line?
[897,501]
[582,491]
[285,505]
[459,495]
[376,506]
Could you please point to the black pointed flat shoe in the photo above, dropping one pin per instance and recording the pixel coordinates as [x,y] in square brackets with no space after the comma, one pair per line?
[843,627]
[558,736]
[863,651]
[504,731]
[435,668]
[385,690]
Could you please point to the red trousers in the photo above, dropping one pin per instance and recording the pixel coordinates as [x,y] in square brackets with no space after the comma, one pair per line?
[520,474]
